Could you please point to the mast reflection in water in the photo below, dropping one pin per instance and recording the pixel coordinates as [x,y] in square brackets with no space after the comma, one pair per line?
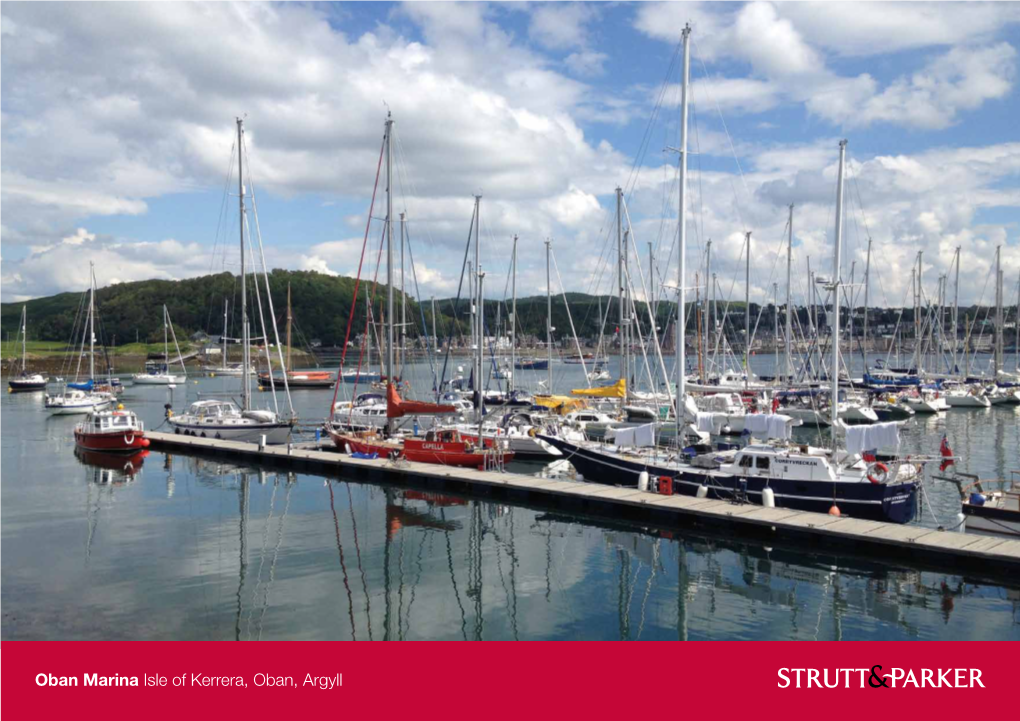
[194,549]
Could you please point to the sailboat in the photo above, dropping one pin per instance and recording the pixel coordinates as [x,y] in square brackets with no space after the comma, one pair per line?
[161,375]
[444,446]
[25,381]
[298,379]
[772,474]
[225,368]
[216,418]
[85,397]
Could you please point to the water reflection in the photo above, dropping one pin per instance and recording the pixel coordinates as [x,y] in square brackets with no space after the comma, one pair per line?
[233,552]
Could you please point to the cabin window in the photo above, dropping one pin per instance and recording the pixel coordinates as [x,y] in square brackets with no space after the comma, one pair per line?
[745,462]
[762,462]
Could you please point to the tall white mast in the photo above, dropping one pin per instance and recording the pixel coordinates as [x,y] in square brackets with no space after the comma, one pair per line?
[389,261]
[623,317]
[747,313]
[548,300]
[789,300]
[997,355]
[681,309]
[403,302]
[513,317]
[867,282]
[956,314]
[24,341]
[477,308]
[834,367]
[92,321]
[225,306]
[245,344]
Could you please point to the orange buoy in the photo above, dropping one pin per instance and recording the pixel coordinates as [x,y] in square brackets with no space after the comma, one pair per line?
[834,511]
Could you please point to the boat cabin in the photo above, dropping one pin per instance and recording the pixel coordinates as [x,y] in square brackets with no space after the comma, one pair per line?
[111,422]
[780,463]
[214,409]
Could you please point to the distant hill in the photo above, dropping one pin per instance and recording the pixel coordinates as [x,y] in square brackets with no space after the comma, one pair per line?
[322,303]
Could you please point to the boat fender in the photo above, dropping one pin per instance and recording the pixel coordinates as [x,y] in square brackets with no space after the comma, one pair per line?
[347,447]
[834,510]
[642,481]
[878,473]
[145,442]
[702,491]
[768,498]
[532,432]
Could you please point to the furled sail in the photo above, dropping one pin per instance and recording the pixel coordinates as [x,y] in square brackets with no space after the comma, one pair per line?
[397,408]
[617,390]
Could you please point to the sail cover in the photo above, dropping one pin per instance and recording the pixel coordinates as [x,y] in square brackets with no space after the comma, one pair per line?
[641,436]
[617,390]
[397,408]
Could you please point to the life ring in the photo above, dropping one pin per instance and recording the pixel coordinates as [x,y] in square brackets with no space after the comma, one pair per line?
[883,471]
[129,439]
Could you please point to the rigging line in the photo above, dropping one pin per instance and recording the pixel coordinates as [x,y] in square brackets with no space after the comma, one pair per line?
[343,566]
[421,309]
[456,307]
[357,281]
[729,139]
[566,305]
[272,564]
[269,297]
[262,322]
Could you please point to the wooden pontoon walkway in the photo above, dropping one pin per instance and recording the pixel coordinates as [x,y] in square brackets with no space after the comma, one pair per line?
[925,547]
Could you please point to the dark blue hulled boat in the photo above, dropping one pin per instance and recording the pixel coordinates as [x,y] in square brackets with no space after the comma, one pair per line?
[804,481]
[532,364]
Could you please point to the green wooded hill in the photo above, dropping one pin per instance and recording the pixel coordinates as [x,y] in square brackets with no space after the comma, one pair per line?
[322,304]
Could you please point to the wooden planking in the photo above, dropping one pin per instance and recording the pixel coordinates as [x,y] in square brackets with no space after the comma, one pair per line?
[863,536]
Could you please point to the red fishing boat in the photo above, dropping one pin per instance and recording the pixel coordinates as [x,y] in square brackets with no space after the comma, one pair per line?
[116,431]
[444,447]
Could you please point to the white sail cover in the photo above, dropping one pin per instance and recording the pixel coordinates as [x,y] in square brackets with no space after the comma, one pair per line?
[640,436]
[873,437]
[773,425]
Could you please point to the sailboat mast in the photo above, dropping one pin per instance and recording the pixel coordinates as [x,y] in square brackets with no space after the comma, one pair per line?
[619,269]
[747,313]
[834,367]
[476,309]
[166,341]
[548,301]
[225,303]
[513,316]
[389,261]
[403,302]
[481,333]
[92,321]
[290,319]
[956,314]
[775,321]
[245,344]
[917,314]
[24,340]
[867,282]
[789,300]
[710,316]
[681,307]
[997,355]
[371,330]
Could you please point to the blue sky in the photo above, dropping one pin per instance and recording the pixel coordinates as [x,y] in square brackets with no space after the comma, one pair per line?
[118,124]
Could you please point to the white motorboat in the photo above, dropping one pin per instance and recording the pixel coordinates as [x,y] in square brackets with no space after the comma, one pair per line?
[76,402]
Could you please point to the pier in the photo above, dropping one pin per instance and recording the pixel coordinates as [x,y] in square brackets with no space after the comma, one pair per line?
[918,546]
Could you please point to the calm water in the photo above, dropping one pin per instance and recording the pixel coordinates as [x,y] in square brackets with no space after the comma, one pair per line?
[180,548]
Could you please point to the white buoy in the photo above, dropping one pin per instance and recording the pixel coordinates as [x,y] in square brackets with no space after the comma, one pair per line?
[768,498]
[580,477]
[347,447]
[702,491]
[642,481]
[262,442]
[961,521]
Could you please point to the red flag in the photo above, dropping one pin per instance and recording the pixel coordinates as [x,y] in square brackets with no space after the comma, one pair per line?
[775,404]
[947,454]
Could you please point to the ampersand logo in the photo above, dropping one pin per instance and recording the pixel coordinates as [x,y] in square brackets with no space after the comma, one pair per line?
[876,677]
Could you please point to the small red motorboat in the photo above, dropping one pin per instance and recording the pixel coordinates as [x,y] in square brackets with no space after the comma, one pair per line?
[117,431]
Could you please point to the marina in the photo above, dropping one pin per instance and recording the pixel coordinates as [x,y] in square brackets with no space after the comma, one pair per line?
[743,383]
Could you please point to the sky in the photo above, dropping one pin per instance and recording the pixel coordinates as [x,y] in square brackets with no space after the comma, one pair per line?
[118,123]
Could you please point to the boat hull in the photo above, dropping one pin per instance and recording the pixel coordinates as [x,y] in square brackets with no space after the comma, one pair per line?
[120,442]
[77,409]
[157,380]
[894,503]
[420,451]
[989,519]
[276,433]
[26,386]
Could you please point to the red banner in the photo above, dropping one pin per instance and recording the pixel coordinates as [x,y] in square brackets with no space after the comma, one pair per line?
[505,680]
